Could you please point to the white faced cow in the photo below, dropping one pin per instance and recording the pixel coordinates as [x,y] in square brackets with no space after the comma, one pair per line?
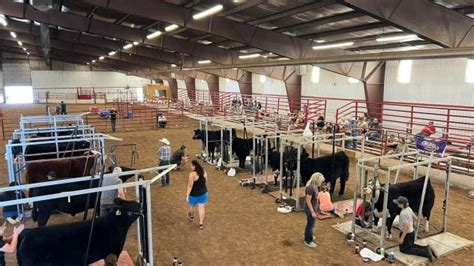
[412,190]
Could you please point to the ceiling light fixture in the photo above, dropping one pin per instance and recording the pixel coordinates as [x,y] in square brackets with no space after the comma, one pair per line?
[3,20]
[136,43]
[208,12]
[13,34]
[101,58]
[320,41]
[153,35]
[400,38]
[173,65]
[333,45]
[20,43]
[87,63]
[128,46]
[249,56]
[202,62]
[171,27]
[28,53]
[112,53]
[24,49]
[93,61]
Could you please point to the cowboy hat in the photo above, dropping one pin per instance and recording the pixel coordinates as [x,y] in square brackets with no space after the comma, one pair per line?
[165,141]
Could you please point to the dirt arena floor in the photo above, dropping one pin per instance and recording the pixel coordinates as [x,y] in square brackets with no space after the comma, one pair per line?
[242,226]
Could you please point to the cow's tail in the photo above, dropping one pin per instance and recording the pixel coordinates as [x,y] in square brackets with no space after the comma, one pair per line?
[429,200]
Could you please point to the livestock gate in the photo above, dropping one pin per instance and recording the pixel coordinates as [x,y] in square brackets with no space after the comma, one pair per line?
[366,167]
[144,225]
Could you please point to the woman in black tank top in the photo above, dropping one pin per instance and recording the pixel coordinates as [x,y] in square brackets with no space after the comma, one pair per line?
[196,193]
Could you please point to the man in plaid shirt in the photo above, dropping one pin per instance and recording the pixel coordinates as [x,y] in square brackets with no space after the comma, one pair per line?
[164,154]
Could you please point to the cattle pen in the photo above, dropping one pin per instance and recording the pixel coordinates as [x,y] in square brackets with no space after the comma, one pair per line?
[144,184]
[366,167]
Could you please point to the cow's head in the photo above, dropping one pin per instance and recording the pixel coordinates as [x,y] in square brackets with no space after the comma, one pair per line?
[128,208]
[198,134]
[372,192]
[16,150]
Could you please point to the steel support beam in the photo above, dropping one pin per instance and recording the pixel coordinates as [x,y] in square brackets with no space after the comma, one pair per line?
[374,90]
[293,91]
[245,83]
[372,58]
[278,43]
[441,25]
[213,85]
[191,88]
[173,83]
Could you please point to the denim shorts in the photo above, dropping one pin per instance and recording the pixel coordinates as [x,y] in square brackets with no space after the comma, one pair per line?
[193,201]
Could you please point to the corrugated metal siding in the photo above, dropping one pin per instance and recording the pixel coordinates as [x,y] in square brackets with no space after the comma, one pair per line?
[440,81]
[331,85]
[432,81]
[16,74]
[228,86]
[74,79]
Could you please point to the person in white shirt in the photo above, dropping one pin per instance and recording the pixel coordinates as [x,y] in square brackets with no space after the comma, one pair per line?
[407,232]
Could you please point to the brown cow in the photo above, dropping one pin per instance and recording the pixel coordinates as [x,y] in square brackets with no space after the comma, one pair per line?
[64,167]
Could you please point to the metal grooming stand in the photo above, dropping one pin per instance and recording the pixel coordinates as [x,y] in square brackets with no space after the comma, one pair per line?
[303,141]
[16,163]
[361,169]
[137,184]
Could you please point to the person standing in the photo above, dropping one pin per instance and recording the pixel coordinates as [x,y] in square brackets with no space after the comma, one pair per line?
[310,207]
[407,235]
[196,192]
[113,118]
[164,154]
[107,198]
[63,108]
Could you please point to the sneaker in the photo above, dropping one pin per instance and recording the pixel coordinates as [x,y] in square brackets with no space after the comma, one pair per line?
[435,255]
[431,257]
[311,245]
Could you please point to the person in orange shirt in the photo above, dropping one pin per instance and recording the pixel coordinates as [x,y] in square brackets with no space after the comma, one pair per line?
[325,203]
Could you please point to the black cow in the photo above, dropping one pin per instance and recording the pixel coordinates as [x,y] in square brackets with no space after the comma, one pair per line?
[36,149]
[42,210]
[310,166]
[412,190]
[65,244]
[214,139]
[242,147]
[324,166]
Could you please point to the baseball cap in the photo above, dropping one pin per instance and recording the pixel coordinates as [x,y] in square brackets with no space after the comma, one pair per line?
[400,200]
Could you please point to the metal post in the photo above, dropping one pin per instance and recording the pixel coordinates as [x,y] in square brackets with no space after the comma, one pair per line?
[298,178]
[266,160]
[384,217]
[281,168]
[222,144]
[423,194]
[137,198]
[399,165]
[207,138]
[356,189]
[446,195]
[149,225]
[362,149]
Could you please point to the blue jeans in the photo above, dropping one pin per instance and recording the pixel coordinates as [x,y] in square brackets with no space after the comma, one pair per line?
[165,180]
[310,221]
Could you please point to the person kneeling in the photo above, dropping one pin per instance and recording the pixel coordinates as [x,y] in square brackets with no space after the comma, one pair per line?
[325,203]
[407,232]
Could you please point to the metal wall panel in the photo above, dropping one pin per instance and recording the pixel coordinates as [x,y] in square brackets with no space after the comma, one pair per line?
[440,81]
[16,74]
[331,85]
[74,79]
